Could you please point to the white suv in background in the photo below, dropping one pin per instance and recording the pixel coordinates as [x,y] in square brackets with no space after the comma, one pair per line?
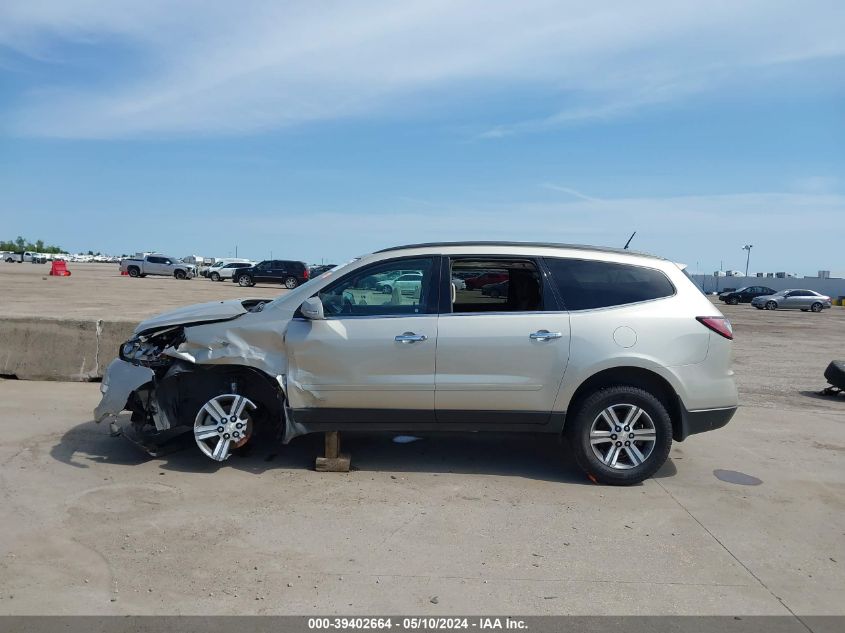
[619,352]
[227,270]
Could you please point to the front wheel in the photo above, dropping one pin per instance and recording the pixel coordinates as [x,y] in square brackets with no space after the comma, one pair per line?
[816,307]
[620,435]
[245,281]
[180,274]
[771,305]
[291,283]
[732,301]
[215,276]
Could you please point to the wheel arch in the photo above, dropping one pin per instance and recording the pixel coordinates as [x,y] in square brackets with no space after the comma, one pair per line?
[634,376]
[186,386]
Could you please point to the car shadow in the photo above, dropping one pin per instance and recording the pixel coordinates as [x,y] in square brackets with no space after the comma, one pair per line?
[817,395]
[541,457]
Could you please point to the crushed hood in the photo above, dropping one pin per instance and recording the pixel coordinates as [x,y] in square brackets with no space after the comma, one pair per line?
[197,313]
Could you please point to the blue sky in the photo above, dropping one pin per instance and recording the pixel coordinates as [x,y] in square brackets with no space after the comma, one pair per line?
[320,131]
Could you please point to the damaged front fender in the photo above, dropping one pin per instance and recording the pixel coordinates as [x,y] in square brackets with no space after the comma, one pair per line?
[120,380]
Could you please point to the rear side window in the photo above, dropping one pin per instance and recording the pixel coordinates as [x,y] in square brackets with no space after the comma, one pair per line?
[584,284]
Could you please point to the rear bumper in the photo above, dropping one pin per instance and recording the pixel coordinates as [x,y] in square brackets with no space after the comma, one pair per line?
[693,422]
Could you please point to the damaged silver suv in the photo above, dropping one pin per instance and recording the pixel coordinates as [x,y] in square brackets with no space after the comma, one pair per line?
[617,351]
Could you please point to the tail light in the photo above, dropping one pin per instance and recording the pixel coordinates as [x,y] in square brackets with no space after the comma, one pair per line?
[720,325]
[306,273]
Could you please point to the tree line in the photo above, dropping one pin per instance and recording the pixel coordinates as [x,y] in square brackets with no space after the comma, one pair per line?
[22,244]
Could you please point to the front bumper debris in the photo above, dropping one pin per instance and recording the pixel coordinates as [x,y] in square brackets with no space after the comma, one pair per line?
[120,380]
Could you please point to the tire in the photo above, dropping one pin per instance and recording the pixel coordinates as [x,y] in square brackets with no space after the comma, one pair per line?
[771,305]
[215,277]
[245,281]
[591,419]
[385,290]
[134,271]
[291,283]
[732,301]
[180,274]
[816,307]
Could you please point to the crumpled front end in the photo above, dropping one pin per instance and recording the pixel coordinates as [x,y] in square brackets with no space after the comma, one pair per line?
[220,377]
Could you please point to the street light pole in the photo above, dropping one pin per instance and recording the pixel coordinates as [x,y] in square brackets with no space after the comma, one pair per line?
[748,248]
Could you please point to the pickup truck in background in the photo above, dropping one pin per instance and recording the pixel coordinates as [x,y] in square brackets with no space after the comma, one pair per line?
[156,264]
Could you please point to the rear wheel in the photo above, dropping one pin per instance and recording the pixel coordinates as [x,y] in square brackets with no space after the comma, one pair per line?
[771,305]
[816,307]
[291,283]
[134,271]
[620,435]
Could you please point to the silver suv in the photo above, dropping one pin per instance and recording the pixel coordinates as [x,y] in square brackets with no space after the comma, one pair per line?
[617,351]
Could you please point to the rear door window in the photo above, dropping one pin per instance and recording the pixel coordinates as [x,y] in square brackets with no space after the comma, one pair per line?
[586,284]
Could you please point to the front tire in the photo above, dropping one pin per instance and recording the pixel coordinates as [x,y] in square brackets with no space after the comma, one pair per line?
[215,276]
[244,281]
[620,435]
[732,301]
[771,305]
[180,274]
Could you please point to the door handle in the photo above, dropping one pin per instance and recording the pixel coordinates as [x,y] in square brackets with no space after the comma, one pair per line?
[410,337]
[544,335]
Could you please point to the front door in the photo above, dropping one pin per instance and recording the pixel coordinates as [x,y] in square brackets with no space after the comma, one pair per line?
[372,359]
[500,359]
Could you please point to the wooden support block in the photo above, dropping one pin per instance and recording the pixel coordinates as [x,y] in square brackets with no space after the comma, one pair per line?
[334,461]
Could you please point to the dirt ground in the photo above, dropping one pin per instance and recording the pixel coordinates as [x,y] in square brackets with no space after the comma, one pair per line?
[99,291]
[745,520]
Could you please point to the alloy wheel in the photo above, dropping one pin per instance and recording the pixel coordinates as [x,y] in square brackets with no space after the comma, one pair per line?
[290,283]
[623,436]
[223,424]
[816,307]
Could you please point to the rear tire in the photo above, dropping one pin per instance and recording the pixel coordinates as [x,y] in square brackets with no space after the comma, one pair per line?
[133,271]
[291,283]
[601,450]
[816,307]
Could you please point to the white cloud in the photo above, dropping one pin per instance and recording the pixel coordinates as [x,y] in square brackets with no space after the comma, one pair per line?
[227,68]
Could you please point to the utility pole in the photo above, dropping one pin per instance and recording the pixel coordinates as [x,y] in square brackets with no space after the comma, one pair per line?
[748,248]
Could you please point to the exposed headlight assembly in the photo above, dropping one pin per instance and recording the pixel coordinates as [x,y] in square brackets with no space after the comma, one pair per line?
[147,349]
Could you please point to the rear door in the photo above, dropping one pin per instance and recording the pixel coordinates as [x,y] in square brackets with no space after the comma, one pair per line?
[499,360]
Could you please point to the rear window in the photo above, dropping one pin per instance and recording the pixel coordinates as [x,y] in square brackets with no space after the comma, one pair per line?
[584,284]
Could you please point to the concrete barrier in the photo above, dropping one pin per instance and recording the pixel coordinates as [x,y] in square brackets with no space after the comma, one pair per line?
[33,348]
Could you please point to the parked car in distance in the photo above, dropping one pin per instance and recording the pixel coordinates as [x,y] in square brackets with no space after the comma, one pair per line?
[319,269]
[227,270]
[407,284]
[489,277]
[205,270]
[157,264]
[744,295]
[617,352]
[289,273]
[495,290]
[804,300]
[26,256]
[459,283]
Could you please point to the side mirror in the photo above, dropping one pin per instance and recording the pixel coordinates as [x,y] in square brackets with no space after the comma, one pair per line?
[312,308]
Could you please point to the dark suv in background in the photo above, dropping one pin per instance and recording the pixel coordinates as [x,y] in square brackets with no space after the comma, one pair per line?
[275,271]
[744,295]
